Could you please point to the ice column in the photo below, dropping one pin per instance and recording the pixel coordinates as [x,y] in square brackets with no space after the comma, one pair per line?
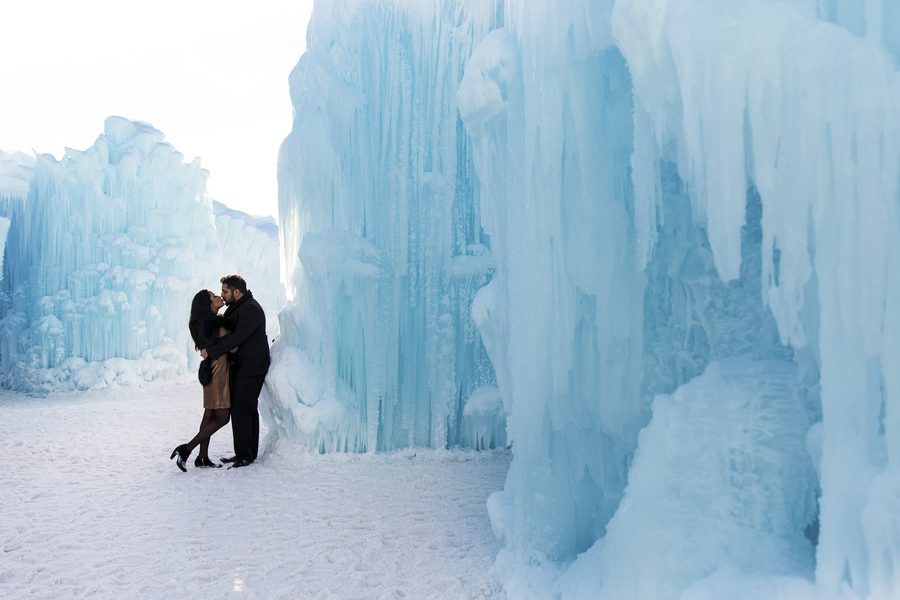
[547,101]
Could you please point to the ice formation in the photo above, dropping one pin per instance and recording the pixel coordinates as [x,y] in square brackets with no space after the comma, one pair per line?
[383,249]
[675,226]
[16,169]
[104,256]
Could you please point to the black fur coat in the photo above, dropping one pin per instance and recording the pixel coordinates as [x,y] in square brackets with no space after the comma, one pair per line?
[208,331]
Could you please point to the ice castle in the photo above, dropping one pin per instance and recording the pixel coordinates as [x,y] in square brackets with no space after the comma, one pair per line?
[106,248]
[650,244]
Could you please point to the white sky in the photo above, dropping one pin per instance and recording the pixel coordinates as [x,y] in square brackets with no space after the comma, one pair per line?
[210,74]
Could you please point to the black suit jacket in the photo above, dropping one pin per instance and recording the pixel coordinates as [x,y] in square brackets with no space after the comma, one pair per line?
[249,337]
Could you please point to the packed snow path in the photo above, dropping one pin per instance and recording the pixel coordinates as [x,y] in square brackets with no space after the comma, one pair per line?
[91,505]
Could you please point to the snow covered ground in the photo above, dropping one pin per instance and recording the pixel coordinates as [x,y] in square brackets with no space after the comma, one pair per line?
[91,506]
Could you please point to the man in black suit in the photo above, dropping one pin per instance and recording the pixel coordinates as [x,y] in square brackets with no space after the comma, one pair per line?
[249,369]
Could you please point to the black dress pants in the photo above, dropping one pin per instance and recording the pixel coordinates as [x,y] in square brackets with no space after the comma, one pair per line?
[245,415]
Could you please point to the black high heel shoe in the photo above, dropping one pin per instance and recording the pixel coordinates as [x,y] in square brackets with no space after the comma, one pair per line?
[183,453]
[203,462]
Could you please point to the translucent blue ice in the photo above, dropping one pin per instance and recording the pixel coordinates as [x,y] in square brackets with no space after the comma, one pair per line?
[383,245]
[659,240]
[104,255]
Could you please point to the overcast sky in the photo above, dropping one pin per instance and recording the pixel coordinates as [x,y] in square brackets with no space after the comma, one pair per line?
[210,74]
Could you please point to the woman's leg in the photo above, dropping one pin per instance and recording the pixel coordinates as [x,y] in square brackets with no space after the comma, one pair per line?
[208,415]
[218,418]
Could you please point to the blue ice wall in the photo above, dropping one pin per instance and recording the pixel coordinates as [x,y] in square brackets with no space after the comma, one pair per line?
[103,257]
[798,100]
[383,243]
[724,190]
[680,222]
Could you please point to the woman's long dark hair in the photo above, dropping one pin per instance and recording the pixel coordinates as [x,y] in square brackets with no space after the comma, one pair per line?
[201,307]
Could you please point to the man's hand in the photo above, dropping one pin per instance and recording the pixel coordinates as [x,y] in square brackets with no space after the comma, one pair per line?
[203,354]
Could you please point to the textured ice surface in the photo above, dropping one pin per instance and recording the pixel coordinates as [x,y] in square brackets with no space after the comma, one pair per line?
[484,419]
[104,256]
[16,169]
[807,112]
[15,174]
[725,187]
[383,245]
[689,206]
[720,479]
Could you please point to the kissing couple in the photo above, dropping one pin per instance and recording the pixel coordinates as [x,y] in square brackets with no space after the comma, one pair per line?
[235,355]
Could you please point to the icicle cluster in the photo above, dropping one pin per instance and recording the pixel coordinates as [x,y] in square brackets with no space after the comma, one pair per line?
[16,169]
[691,300]
[383,247]
[806,112]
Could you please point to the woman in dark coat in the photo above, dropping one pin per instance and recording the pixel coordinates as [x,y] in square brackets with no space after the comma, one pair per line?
[207,326]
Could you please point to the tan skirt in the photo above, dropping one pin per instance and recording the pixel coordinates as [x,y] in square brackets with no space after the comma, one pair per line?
[218,393]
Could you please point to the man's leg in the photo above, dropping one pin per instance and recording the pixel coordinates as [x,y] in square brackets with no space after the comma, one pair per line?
[254,428]
[245,416]
[235,411]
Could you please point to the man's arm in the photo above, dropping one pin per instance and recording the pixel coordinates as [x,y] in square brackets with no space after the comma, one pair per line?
[245,327]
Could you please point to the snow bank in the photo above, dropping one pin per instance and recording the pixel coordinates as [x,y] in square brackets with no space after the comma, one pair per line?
[104,256]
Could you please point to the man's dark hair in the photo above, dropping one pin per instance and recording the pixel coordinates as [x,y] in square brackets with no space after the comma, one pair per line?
[235,282]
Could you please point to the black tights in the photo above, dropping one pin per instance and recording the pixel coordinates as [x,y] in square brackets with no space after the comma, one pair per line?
[213,420]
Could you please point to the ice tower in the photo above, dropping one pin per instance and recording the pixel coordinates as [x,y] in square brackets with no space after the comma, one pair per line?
[104,256]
